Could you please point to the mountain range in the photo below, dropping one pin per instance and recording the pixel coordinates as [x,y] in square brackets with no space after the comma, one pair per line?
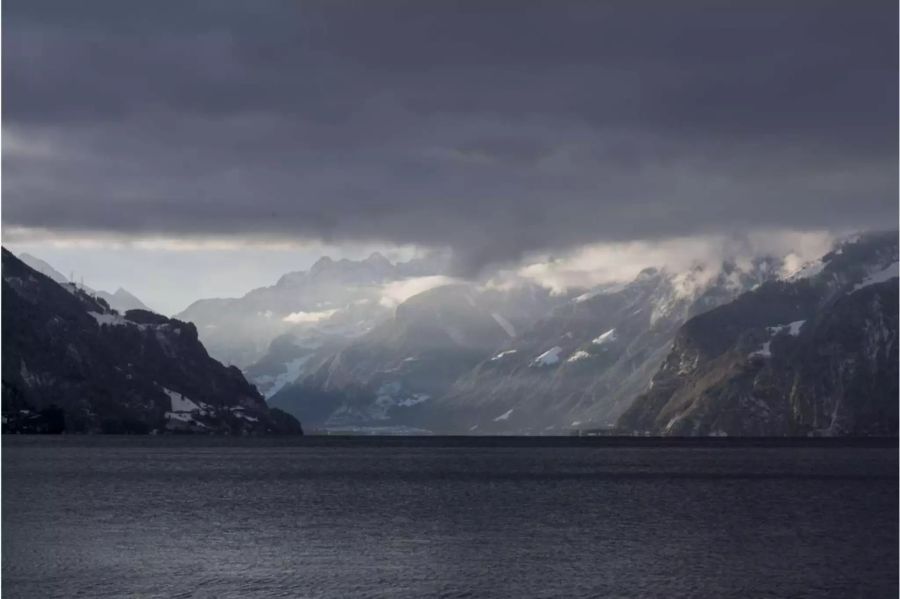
[443,362]
[334,299]
[751,345]
[390,377]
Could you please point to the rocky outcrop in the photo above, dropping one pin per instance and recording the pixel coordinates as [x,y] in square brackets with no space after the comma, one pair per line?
[72,363]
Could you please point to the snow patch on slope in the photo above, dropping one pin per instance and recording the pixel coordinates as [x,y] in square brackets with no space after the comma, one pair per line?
[309,317]
[504,416]
[607,337]
[885,274]
[415,399]
[607,289]
[180,403]
[239,412]
[182,417]
[548,358]
[764,352]
[111,319]
[579,355]
[792,328]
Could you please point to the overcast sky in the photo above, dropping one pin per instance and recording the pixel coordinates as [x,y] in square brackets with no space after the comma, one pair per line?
[493,128]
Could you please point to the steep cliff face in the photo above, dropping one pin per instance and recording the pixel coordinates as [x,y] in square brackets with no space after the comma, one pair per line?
[812,356]
[71,362]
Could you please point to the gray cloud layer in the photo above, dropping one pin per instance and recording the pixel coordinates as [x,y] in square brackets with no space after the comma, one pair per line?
[492,127]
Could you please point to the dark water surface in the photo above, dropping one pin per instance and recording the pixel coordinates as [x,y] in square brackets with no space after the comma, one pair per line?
[326,517]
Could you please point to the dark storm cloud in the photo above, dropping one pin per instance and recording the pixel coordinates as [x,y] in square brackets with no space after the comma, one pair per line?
[490,127]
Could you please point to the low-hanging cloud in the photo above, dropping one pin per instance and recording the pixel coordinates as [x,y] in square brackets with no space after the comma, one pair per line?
[601,263]
[496,130]
[397,292]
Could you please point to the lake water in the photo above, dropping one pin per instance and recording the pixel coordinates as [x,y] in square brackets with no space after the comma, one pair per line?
[329,517]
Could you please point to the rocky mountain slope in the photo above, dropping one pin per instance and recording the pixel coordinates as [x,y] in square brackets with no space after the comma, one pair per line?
[72,363]
[817,355]
[553,364]
[455,360]
[583,364]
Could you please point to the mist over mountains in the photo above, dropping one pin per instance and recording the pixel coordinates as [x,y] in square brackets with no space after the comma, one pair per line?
[754,344]
[333,299]
[814,354]
[469,358]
